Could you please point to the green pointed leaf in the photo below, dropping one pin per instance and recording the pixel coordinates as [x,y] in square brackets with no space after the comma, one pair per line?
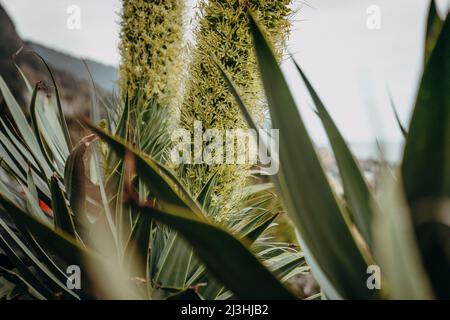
[426,165]
[136,253]
[356,190]
[19,160]
[287,265]
[160,180]
[10,192]
[174,263]
[31,185]
[24,129]
[61,118]
[18,151]
[304,187]
[245,112]
[124,121]
[123,213]
[94,108]
[74,176]
[99,178]
[204,196]
[33,207]
[52,132]
[35,125]
[395,246]
[397,118]
[63,245]
[61,213]
[434,27]
[52,265]
[18,116]
[259,228]
[50,279]
[219,250]
[24,78]
[25,272]
[7,161]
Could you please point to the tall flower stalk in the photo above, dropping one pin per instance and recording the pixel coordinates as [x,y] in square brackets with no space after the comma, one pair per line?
[223,34]
[151,48]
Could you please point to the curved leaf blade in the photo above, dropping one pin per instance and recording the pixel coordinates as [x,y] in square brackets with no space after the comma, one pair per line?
[304,187]
[426,164]
[162,182]
[356,190]
[136,252]
[434,27]
[61,212]
[219,250]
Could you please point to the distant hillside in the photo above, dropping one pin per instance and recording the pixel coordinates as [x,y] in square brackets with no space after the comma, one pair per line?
[9,43]
[70,72]
[105,76]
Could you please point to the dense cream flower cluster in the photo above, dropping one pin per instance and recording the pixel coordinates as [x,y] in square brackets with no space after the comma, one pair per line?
[153,61]
[152,49]
[223,34]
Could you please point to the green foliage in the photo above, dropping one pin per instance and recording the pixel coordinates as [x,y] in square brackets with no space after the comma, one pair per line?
[77,213]
[304,188]
[426,165]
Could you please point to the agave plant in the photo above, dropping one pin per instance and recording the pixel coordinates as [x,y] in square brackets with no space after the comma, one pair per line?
[148,43]
[63,206]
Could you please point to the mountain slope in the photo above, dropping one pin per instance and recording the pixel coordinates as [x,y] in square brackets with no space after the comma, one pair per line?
[105,76]
[70,72]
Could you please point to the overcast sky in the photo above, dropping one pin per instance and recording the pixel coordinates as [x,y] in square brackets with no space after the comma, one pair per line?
[350,65]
